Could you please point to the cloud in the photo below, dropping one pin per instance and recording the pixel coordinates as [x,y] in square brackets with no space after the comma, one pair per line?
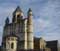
[47,18]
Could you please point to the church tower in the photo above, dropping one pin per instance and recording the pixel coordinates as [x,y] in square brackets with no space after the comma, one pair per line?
[30,30]
[20,27]
[17,15]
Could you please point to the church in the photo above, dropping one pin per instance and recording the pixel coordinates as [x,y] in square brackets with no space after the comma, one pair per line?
[18,35]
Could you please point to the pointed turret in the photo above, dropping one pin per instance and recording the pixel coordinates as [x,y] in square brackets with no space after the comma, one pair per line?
[30,30]
[18,9]
[7,21]
[30,16]
[17,15]
[30,12]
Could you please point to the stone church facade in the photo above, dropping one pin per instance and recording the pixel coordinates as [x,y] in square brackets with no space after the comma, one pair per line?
[19,34]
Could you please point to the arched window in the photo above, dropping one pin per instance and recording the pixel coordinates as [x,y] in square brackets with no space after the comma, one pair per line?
[12,45]
[18,15]
[18,18]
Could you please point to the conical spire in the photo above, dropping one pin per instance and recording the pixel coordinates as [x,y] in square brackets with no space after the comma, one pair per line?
[7,21]
[18,9]
[30,10]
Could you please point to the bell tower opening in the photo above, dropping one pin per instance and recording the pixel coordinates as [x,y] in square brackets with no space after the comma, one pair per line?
[18,15]
[18,18]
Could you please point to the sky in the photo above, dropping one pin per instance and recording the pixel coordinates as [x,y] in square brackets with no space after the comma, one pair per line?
[46,16]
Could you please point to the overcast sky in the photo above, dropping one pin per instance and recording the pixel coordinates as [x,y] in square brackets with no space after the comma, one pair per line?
[46,16]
